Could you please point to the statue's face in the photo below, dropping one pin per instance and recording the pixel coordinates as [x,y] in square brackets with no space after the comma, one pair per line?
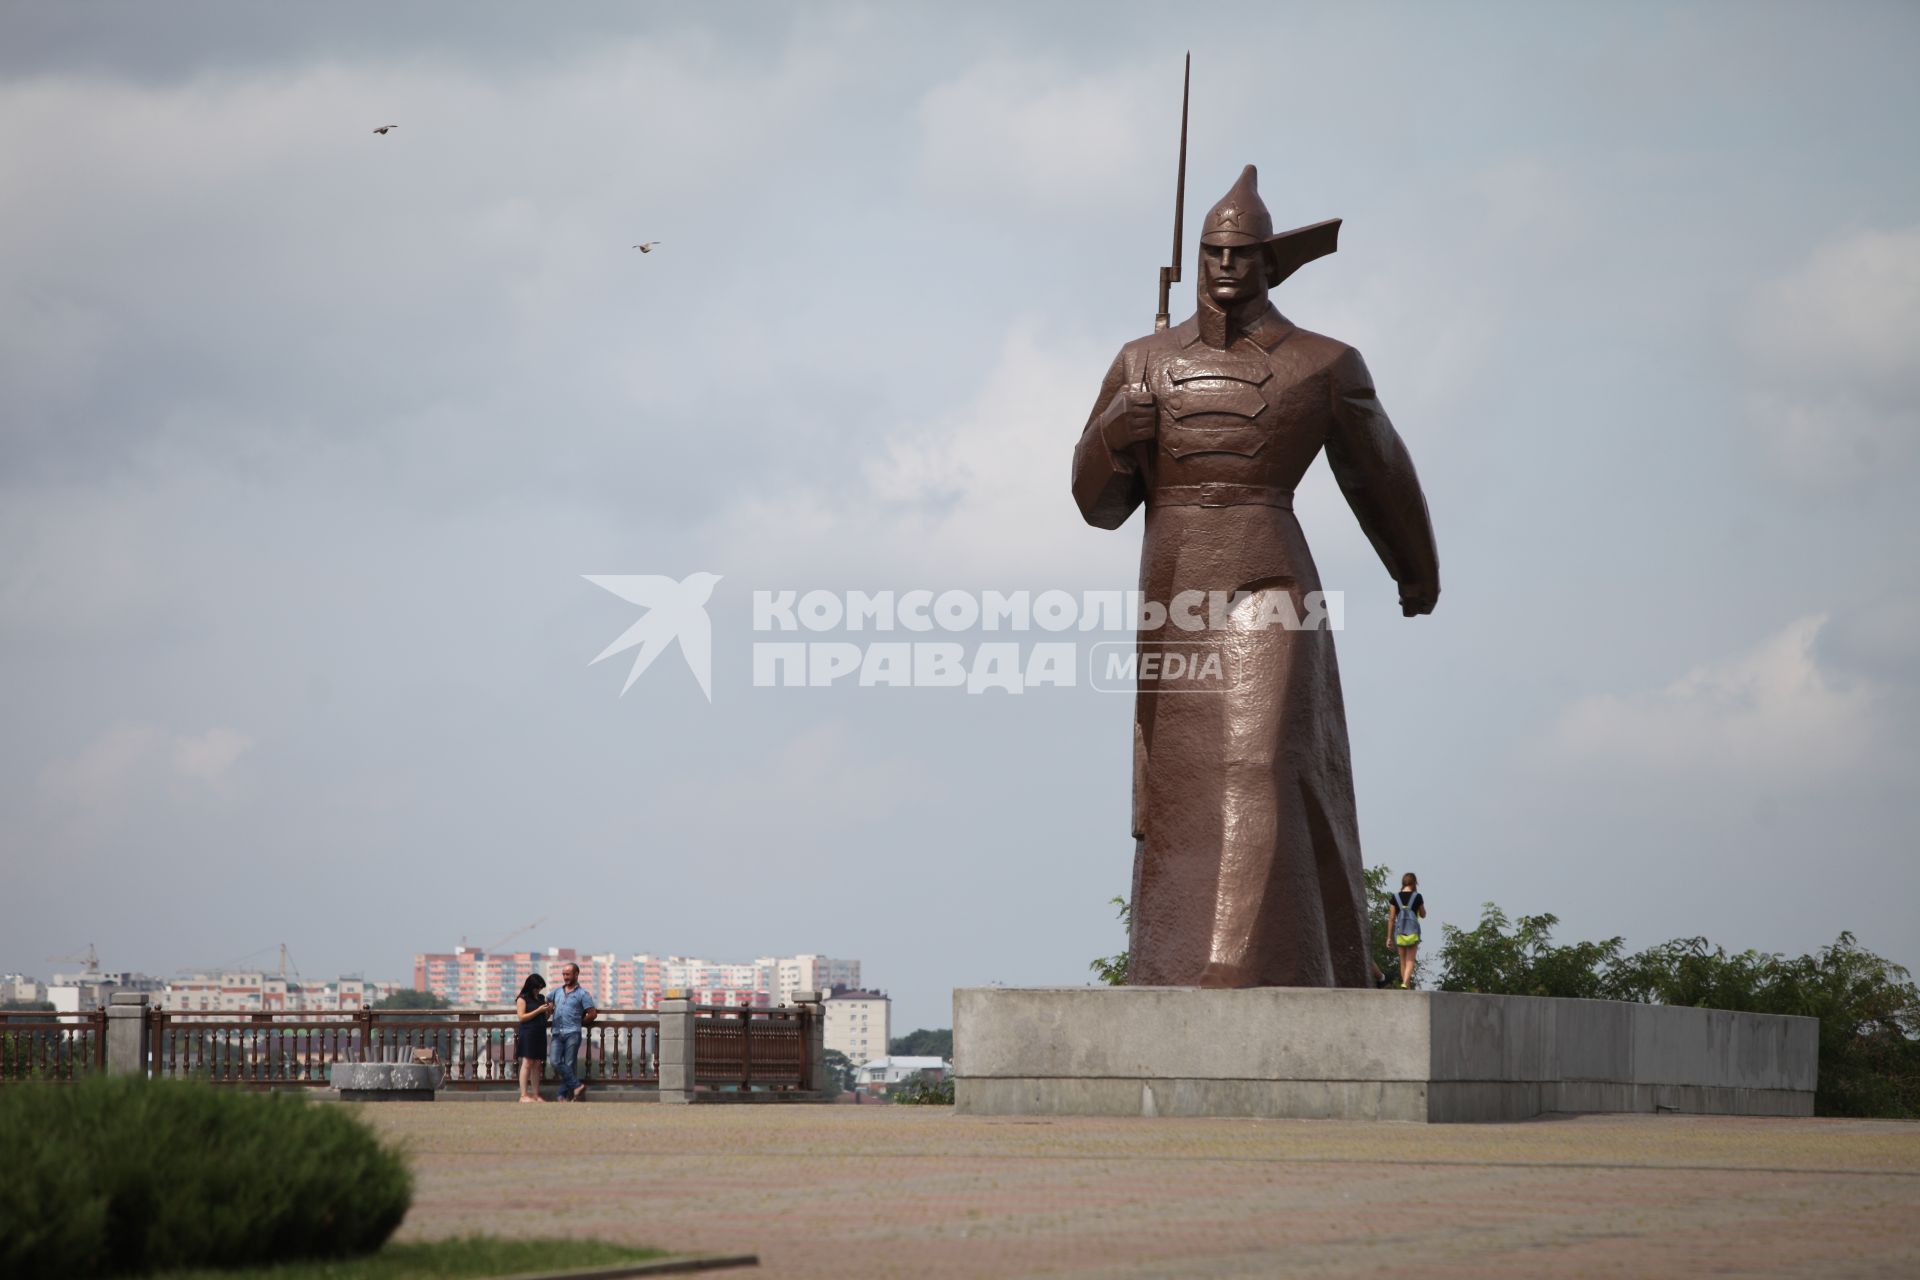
[1232,273]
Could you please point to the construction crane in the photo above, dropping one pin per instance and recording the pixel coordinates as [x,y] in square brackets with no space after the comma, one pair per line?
[525,928]
[91,959]
[286,963]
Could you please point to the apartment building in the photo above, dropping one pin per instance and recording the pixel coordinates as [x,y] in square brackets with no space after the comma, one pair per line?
[19,988]
[253,992]
[472,978]
[858,1024]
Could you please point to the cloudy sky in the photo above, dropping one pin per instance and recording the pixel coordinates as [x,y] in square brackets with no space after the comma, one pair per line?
[308,436]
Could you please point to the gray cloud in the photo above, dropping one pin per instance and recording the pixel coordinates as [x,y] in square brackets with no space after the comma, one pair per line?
[307,436]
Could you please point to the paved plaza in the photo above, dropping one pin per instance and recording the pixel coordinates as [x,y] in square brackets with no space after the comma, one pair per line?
[841,1192]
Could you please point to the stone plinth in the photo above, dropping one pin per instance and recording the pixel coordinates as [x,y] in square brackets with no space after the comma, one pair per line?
[127,1033]
[385,1081]
[1366,1055]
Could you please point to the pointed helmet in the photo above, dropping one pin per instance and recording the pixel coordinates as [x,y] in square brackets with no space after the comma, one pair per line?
[1241,219]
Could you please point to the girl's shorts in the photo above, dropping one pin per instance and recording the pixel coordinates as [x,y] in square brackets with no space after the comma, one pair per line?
[1407,940]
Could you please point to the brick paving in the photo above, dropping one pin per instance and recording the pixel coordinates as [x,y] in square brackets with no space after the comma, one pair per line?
[842,1192]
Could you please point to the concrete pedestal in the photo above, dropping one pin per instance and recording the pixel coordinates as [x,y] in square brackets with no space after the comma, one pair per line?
[1288,1052]
[385,1081]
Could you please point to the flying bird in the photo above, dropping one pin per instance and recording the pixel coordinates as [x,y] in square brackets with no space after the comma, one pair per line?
[647,247]
[383,128]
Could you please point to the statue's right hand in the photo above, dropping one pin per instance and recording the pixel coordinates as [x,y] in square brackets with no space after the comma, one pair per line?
[1130,418]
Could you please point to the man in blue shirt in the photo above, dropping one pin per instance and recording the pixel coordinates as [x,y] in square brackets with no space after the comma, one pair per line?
[573,1009]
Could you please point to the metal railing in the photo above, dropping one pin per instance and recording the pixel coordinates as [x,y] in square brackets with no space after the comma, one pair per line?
[476,1048]
[767,1048]
[725,1049]
[52,1046]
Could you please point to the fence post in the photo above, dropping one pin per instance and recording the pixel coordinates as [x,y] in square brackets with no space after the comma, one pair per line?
[815,1051]
[127,1033]
[676,1049]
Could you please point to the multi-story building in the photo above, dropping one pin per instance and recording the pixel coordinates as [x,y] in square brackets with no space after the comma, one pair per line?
[810,973]
[18,988]
[472,978]
[858,1023]
[83,992]
[250,992]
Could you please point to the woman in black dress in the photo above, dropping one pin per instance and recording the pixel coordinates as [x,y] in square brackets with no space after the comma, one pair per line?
[530,1037]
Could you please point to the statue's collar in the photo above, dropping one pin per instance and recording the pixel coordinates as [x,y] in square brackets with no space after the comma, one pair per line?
[1210,325]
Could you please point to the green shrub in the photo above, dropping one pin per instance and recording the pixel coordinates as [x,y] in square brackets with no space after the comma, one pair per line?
[923,1091]
[1868,1006]
[1869,1011]
[1526,961]
[122,1176]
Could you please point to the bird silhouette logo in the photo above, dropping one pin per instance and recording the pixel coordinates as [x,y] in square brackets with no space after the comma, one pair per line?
[674,611]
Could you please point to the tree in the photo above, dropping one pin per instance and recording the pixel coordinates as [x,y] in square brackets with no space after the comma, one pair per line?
[1693,973]
[923,1044]
[1112,970]
[1869,1013]
[408,998]
[839,1073]
[1525,962]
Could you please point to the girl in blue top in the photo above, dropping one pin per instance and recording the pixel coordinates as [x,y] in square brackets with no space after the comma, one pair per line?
[1406,909]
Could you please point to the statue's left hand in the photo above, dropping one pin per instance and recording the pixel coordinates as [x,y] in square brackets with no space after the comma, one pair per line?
[1418,598]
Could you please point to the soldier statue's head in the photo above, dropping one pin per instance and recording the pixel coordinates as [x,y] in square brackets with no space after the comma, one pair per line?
[1241,258]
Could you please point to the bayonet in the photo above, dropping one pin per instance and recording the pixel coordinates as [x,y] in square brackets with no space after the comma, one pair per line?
[1170,275]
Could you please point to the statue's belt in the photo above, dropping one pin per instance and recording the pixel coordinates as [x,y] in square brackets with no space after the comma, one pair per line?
[1221,494]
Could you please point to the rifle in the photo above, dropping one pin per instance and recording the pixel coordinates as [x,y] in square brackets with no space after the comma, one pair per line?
[1170,275]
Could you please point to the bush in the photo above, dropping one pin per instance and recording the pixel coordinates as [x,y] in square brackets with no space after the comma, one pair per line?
[923,1091]
[1869,1013]
[122,1176]
[1525,962]
[1868,1006]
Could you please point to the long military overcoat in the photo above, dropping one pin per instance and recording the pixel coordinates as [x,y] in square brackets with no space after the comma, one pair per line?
[1247,867]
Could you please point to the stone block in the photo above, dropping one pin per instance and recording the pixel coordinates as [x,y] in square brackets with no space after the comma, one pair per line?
[1385,1055]
[385,1081]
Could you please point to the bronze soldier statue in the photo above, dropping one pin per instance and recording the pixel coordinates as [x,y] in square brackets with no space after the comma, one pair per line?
[1247,868]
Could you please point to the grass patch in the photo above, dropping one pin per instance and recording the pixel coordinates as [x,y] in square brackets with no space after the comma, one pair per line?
[466,1258]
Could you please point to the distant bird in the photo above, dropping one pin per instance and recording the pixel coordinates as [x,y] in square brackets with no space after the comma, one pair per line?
[383,128]
[647,247]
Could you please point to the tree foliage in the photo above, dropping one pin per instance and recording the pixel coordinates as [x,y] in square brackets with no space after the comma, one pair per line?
[839,1073]
[1868,1006]
[923,1044]
[1112,970]
[922,1090]
[408,998]
[1520,958]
